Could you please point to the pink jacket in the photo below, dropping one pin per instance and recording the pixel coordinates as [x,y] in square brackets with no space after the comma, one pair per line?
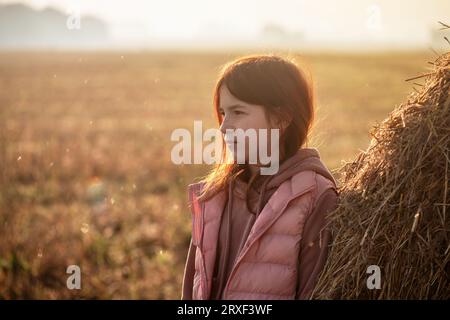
[266,268]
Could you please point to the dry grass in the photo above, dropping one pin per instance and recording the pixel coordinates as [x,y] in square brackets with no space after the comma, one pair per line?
[86,176]
[394,204]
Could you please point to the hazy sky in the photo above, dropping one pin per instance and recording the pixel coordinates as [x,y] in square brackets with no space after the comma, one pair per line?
[344,21]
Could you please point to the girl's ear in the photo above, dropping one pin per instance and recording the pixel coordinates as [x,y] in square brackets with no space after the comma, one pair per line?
[283,122]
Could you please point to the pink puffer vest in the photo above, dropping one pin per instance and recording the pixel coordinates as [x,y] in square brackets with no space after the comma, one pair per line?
[266,268]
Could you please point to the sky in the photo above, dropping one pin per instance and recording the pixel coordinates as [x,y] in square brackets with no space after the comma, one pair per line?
[344,22]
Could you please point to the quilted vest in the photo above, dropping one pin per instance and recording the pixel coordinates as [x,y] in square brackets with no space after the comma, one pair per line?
[267,265]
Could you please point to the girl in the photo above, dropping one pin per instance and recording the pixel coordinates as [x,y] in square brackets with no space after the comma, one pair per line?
[260,236]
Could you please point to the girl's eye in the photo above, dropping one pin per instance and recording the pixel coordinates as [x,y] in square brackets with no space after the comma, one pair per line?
[236,112]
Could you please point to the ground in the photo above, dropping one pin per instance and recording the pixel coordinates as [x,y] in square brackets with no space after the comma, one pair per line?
[86,176]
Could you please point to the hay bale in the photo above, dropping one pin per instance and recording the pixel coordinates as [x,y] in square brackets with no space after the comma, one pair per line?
[394,207]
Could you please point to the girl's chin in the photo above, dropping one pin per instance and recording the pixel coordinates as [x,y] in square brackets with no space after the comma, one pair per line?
[233,154]
[234,157]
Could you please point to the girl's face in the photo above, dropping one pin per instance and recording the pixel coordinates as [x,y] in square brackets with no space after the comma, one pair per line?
[237,114]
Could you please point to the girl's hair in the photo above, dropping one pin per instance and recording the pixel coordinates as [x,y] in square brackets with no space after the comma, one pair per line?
[285,92]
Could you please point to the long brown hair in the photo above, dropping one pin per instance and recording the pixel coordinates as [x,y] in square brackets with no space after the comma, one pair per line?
[286,93]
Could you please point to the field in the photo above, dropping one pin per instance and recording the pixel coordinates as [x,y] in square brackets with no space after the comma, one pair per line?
[86,175]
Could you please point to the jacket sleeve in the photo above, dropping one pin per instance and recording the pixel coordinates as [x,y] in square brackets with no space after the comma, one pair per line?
[189,271]
[314,244]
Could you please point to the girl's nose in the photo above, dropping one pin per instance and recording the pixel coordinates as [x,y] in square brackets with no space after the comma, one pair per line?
[224,126]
